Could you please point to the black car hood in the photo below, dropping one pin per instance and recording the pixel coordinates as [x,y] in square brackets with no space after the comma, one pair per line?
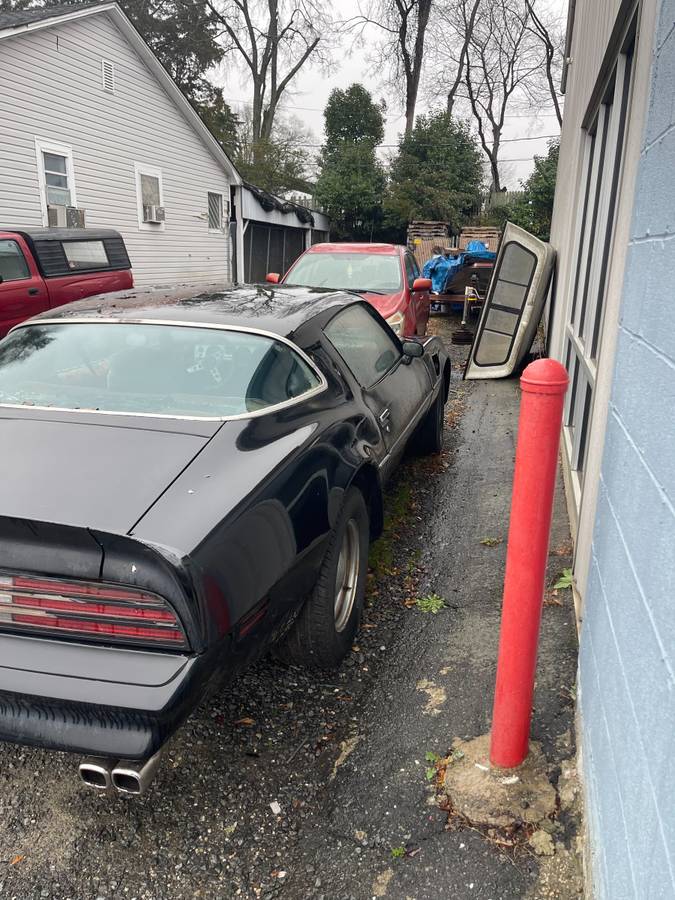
[102,476]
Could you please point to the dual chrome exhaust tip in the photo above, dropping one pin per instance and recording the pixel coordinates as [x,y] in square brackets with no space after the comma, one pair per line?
[126,776]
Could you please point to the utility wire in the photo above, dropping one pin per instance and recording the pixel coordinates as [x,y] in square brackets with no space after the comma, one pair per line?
[285,106]
[538,137]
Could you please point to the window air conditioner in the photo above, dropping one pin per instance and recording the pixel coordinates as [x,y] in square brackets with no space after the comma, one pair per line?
[154,214]
[57,216]
[75,217]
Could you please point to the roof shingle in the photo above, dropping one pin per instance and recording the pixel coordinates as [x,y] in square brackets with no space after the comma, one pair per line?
[28,16]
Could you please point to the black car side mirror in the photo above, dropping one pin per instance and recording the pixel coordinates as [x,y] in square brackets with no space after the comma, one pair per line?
[412,349]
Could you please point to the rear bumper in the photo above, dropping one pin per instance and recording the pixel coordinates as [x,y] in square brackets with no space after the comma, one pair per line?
[103,701]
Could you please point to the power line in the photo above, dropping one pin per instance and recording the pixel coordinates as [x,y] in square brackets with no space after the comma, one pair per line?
[390,117]
[538,137]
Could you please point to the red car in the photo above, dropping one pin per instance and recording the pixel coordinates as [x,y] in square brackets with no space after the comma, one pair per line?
[41,268]
[386,275]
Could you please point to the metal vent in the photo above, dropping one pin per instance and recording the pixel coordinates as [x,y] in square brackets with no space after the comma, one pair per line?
[108,73]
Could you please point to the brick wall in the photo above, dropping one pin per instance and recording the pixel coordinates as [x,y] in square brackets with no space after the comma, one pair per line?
[627,660]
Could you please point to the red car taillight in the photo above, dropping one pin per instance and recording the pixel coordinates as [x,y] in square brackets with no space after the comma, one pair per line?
[88,611]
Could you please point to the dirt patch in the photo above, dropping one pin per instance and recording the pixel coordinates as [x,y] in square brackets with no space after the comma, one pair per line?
[521,811]
[437,696]
[505,800]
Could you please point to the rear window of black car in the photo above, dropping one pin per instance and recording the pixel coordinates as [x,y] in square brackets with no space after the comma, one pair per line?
[151,369]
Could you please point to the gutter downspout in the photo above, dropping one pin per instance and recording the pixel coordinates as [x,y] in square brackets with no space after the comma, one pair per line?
[568,45]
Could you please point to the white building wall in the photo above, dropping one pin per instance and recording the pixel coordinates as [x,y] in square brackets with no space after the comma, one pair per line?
[52,91]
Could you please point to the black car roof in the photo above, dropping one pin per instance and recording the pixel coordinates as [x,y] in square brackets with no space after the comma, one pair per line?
[279,309]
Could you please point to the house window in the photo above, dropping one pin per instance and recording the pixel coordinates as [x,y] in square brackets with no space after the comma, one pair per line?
[602,159]
[215,212]
[56,176]
[150,198]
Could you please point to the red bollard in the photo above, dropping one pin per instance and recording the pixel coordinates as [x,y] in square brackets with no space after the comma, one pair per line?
[543,385]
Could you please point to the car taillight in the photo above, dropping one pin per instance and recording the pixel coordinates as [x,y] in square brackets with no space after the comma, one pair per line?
[87,611]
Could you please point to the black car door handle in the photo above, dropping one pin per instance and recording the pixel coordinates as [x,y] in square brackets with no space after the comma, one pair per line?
[33,291]
[385,415]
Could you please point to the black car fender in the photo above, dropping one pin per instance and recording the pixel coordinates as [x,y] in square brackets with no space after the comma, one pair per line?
[368,481]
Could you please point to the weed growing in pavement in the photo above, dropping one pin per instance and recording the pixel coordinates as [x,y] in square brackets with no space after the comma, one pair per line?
[398,505]
[430,604]
[414,561]
[433,758]
[490,541]
[397,852]
[565,581]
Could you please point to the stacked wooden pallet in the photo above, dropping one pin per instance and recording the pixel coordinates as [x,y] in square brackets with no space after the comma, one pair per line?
[423,237]
[489,236]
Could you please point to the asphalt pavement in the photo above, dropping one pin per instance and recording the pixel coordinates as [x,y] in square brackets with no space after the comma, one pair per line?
[300,786]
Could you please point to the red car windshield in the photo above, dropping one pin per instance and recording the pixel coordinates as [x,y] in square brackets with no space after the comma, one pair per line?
[373,272]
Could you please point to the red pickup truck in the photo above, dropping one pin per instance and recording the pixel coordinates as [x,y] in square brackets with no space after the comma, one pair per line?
[41,268]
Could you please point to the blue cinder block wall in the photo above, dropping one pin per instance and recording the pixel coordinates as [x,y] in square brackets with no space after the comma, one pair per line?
[627,658]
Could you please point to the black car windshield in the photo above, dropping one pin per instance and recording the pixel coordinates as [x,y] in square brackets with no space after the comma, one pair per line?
[150,369]
[375,272]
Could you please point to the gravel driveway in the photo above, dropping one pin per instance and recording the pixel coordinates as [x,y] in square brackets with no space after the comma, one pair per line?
[245,780]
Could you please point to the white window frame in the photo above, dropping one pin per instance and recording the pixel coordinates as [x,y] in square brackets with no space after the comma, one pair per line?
[223,223]
[154,172]
[42,146]
[603,159]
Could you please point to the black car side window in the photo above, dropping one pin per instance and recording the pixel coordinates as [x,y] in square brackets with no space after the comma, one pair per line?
[365,344]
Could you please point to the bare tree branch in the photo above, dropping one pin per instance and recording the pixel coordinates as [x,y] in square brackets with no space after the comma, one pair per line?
[504,57]
[553,48]
[403,24]
[274,39]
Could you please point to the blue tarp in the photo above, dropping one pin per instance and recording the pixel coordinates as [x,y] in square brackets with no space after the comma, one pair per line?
[442,269]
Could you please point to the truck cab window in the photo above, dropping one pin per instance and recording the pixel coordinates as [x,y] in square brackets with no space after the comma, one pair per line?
[13,265]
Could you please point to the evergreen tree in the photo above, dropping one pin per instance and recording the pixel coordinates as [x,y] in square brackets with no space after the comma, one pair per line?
[535,209]
[351,184]
[436,174]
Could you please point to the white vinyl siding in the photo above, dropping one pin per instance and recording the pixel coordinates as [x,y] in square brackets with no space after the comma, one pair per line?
[52,92]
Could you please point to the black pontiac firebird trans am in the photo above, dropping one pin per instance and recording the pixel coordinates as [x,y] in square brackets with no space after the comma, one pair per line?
[186,482]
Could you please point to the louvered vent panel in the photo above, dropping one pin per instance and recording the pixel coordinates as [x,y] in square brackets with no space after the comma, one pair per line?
[108,70]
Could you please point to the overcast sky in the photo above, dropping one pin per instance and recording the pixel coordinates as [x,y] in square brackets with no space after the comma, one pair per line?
[311,89]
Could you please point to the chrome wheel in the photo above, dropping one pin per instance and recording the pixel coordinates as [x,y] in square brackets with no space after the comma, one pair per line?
[347,575]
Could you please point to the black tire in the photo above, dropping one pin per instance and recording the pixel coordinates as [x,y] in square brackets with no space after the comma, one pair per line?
[428,438]
[320,638]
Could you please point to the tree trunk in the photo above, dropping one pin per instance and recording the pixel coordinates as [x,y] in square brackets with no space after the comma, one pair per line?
[494,169]
[410,104]
[413,76]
